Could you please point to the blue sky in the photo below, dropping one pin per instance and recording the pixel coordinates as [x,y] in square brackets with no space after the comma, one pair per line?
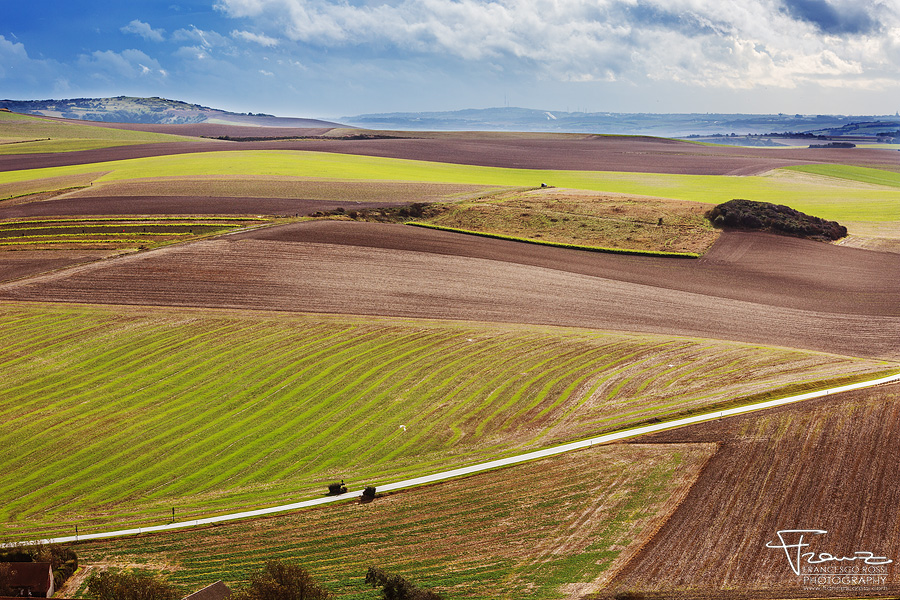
[333,58]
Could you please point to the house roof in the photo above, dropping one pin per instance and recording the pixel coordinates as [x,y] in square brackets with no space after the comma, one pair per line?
[214,591]
[36,576]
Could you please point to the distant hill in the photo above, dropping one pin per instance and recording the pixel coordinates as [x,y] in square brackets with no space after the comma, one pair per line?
[127,109]
[160,111]
[666,125]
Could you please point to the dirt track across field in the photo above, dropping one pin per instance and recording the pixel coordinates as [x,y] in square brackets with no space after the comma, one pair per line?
[766,289]
[607,153]
[828,464]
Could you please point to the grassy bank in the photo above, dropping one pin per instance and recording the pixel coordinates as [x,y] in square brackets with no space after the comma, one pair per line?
[585,248]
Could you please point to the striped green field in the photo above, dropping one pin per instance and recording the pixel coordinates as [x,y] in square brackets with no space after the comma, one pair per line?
[112,233]
[542,530]
[129,412]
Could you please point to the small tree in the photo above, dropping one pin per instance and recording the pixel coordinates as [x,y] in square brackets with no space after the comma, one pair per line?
[130,586]
[282,581]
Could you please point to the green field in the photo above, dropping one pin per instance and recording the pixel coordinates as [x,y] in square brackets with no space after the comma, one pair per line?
[852,173]
[131,411]
[830,198]
[539,530]
[24,134]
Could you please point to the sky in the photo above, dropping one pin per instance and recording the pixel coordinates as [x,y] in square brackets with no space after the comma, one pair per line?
[334,58]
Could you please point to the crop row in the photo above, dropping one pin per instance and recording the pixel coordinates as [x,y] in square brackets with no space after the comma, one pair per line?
[120,232]
[131,412]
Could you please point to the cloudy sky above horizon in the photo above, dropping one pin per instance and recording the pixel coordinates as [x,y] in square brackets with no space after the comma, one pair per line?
[333,58]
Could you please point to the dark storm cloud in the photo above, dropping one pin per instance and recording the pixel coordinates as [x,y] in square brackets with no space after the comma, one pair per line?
[830,19]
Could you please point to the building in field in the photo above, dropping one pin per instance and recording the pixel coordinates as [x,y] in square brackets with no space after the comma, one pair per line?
[31,579]
[215,591]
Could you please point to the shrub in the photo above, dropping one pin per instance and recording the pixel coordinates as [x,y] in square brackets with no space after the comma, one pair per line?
[369,492]
[335,489]
[130,586]
[395,587]
[282,581]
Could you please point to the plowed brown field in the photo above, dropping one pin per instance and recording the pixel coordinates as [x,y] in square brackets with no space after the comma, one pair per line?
[235,197]
[607,153]
[23,263]
[761,289]
[829,465]
[180,205]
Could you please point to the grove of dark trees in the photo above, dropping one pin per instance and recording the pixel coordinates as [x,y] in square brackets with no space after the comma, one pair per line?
[776,218]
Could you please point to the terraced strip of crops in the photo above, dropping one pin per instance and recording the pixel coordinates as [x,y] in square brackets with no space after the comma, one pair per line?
[539,530]
[112,232]
[131,411]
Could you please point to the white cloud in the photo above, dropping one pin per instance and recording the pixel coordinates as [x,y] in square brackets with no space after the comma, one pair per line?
[267,73]
[192,53]
[19,69]
[732,44]
[144,30]
[113,66]
[257,38]
[205,38]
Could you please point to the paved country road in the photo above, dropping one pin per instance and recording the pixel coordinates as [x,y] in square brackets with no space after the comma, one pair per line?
[478,468]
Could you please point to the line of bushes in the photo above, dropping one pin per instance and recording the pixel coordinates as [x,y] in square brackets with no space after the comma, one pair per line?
[512,238]
[276,580]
